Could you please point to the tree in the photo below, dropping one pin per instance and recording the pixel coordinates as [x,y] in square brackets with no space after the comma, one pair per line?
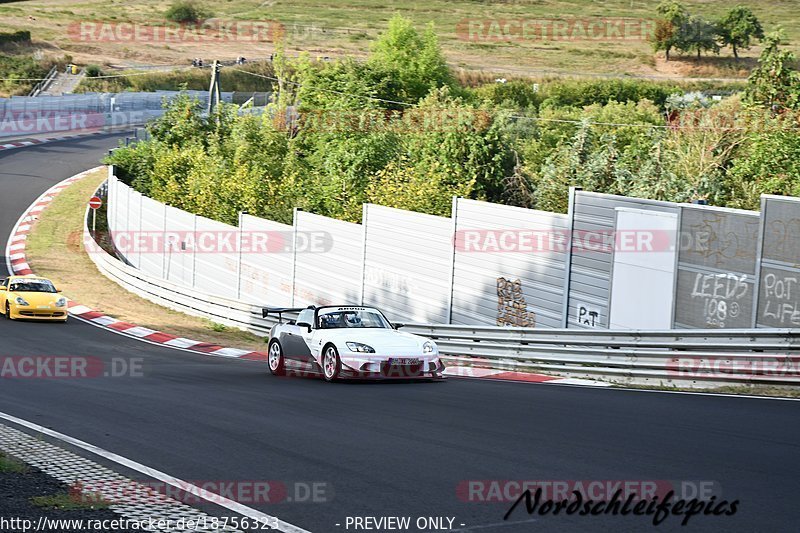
[775,83]
[738,28]
[673,17]
[697,35]
[415,59]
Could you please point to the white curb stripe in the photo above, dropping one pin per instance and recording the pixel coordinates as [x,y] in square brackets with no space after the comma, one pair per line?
[180,342]
[140,331]
[104,320]
[230,352]
[472,372]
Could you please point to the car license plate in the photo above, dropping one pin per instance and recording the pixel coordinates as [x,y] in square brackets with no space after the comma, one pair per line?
[403,361]
[43,307]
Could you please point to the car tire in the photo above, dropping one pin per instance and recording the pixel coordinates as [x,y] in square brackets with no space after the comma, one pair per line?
[8,311]
[331,363]
[275,359]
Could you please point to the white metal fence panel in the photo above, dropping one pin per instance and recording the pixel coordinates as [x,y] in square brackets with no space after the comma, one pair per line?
[216,258]
[122,193]
[643,272]
[408,263]
[266,270]
[112,201]
[149,233]
[509,267]
[779,270]
[179,246]
[121,227]
[135,245]
[328,260]
[716,267]
[590,268]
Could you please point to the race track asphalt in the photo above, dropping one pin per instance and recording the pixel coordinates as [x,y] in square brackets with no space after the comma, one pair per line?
[390,449]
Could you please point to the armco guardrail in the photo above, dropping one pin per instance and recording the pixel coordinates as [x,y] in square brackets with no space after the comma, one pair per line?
[686,358]
[665,357]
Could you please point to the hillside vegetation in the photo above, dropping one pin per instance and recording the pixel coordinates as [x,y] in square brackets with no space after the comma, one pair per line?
[471,32]
[399,130]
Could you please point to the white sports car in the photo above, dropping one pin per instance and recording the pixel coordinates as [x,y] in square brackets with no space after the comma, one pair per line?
[349,341]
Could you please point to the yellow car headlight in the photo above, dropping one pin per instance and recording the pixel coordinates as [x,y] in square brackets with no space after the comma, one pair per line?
[21,301]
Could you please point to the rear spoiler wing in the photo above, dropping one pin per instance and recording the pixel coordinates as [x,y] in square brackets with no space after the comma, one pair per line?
[266,311]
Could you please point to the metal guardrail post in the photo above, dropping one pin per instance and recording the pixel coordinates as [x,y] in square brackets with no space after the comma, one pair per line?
[454,217]
[194,251]
[364,226]
[294,252]
[568,264]
[239,259]
[678,247]
[759,254]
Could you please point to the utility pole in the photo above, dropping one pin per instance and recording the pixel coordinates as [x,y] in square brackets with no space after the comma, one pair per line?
[213,89]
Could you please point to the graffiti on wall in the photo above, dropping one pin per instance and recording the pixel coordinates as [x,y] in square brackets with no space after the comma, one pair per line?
[511,307]
[709,239]
[722,296]
[780,302]
[588,315]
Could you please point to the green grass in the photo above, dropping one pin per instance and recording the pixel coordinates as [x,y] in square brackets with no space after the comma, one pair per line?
[744,390]
[11,465]
[71,502]
[348,26]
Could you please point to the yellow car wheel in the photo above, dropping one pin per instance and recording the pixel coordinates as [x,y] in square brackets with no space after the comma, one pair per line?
[8,311]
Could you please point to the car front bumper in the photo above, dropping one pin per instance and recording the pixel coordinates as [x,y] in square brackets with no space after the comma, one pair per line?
[379,367]
[30,312]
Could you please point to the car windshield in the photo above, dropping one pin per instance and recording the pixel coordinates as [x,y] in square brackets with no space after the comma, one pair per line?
[32,285]
[352,318]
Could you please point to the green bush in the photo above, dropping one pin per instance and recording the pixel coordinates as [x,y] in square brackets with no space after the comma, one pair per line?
[93,71]
[15,37]
[185,11]
[577,93]
[13,69]
[517,94]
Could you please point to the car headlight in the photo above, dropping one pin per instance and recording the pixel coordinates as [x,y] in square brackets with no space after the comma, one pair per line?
[61,302]
[359,347]
[428,347]
[21,301]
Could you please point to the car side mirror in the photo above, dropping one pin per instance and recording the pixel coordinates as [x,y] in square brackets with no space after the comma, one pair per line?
[305,325]
[59,290]
[398,325]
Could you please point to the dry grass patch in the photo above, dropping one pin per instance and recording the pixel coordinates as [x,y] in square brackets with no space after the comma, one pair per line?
[55,250]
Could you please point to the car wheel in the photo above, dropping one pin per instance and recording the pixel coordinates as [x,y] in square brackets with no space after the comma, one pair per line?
[331,364]
[277,364]
[8,311]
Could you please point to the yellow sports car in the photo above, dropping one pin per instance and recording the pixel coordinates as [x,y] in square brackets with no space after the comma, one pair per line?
[32,297]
